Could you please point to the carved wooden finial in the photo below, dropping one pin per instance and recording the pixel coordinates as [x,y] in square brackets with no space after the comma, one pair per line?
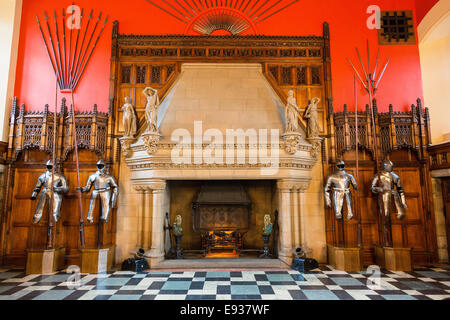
[391,109]
[13,109]
[63,106]
[375,107]
[95,109]
[46,110]
[115,30]
[345,109]
[22,110]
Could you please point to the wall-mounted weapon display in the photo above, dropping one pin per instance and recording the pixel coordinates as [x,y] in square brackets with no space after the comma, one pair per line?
[69,65]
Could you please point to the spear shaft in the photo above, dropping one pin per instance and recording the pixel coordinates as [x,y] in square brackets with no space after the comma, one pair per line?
[59,50]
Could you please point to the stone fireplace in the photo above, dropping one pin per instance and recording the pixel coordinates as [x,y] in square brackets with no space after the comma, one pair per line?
[220,97]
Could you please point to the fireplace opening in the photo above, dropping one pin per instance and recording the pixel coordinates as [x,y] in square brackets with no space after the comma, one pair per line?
[221,214]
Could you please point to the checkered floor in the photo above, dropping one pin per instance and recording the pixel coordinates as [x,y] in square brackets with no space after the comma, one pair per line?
[322,284]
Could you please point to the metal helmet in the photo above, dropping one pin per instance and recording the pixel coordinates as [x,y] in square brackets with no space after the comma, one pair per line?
[49,165]
[340,165]
[101,165]
[388,166]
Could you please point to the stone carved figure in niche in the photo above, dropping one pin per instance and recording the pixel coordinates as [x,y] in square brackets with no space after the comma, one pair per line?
[268,225]
[385,183]
[177,229]
[129,119]
[151,109]
[105,187]
[339,183]
[312,118]
[44,182]
[292,112]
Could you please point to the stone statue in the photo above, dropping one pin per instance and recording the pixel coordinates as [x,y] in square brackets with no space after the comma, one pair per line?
[59,186]
[385,183]
[339,183]
[292,112]
[129,119]
[151,109]
[312,118]
[105,187]
[268,225]
[177,230]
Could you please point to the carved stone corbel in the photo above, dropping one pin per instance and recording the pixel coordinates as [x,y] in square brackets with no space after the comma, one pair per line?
[291,141]
[316,146]
[125,143]
[151,140]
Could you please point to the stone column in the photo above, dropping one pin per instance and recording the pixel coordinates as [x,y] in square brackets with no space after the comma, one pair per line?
[156,253]
[296,218]
[302,216]
[147,219]
[140,216]
[284,220]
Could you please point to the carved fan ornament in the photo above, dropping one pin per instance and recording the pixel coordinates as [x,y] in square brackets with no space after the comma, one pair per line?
[221,17]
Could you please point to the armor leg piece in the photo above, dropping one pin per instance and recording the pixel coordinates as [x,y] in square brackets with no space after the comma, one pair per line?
[57,200]
[348,196]
[90,217]
[338,203]
[105,197]
[398,204]
[387,203]
[43,198]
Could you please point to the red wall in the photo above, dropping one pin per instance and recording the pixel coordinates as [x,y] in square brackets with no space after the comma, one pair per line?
[422,8]
[402,84]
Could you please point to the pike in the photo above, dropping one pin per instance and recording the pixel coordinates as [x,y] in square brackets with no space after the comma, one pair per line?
[76,46]
[175,9]
[92,51]
[357,73]
[82,43]
[357,162]
[262,13]
[188,12]
[59,50]
[166,11]
[85,51]
[259,8]
[381,75]
[65,49]
[362,65]
[48,51]
[58,65]
[80,202]
[286,6]
[70,47]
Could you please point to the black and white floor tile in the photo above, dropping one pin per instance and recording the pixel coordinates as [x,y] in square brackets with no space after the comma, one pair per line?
[432,283]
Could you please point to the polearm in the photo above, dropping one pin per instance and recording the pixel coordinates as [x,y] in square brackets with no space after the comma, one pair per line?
[90,55]
[58,44]
[64,46]
[57,62]
[52,194]
[76,45]
[77,71]
[82,43]
[80,201]
[359,227]
[48,51]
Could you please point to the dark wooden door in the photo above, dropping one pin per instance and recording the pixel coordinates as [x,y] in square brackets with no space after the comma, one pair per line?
[446,198]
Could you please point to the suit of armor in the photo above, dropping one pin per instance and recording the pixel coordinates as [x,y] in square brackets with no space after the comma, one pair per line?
[45,183]
[385,183]
[339,184]
[105,187]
